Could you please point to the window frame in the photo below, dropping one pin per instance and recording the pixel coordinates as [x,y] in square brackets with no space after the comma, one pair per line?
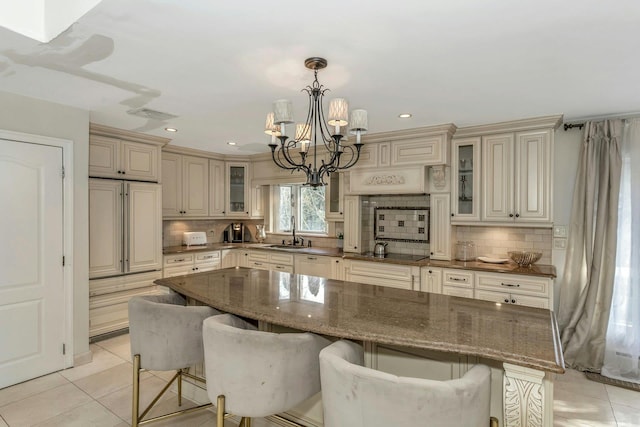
[296,209]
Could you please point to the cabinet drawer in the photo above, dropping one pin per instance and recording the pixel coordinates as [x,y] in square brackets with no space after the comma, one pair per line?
[260,265]
[261,256]
[207,258]
[381,270]
[278,258]
[108,313]
[122,283]
[177,271]
[284,268]
[514,284]
[511,298]
[459,278]
[178,259]
[457,291]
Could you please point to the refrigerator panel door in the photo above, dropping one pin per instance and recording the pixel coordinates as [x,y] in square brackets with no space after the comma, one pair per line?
[143,227]
[105,228]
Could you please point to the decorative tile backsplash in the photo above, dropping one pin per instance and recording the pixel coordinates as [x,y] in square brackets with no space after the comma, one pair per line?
[401,224]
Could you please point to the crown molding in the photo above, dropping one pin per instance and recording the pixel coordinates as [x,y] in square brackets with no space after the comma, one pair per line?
[547,122]
[398,135]
[102,130]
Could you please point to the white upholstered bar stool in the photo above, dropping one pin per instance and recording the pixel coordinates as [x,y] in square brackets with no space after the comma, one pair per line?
[166,335]
[255,373]
[356,396]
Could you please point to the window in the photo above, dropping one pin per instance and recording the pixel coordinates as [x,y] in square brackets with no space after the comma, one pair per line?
[305,204]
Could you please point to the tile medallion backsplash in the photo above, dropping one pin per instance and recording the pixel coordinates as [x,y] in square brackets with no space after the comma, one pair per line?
[405,224]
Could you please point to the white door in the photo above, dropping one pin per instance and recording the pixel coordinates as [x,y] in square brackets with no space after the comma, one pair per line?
[32,297]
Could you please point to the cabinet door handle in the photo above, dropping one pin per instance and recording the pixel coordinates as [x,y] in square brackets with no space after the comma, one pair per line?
[123,172]
[279,267]
[517,215]
[257,263]
[312,258]
[511,285]
[453,214]
[337,261]
[179,260]
[513,301]
[458,279]
[430,271]
[506,300]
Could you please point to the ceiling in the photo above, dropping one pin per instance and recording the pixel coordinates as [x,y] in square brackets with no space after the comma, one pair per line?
[218,65]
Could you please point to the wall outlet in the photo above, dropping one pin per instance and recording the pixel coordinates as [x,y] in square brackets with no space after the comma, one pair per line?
[560,231]
[559,243]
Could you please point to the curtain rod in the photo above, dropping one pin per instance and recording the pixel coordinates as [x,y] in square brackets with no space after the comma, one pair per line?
[579,122]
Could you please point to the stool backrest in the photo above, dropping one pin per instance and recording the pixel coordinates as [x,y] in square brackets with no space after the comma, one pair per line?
[165,332]
[259,373]
[355,396]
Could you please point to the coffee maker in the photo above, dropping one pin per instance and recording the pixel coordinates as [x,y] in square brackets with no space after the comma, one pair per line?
[237,232]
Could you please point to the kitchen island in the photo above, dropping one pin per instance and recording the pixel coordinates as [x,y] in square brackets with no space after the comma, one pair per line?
[520,343]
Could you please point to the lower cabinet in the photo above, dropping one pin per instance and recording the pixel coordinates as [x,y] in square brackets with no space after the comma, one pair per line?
[383,274]
[314,265]
[458,283]
[269,260]
[431,280]
[109,299]
[196,262]
[514,289]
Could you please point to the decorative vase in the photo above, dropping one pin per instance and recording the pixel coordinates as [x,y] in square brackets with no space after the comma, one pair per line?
[261,233]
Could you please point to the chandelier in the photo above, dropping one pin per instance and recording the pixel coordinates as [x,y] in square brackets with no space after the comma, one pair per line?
[315,137]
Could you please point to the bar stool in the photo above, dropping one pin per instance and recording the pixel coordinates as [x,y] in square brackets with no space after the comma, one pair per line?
[258,374]
[166,335]
[356,396]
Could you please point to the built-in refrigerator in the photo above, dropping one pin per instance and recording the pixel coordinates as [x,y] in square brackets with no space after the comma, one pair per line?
[125,248]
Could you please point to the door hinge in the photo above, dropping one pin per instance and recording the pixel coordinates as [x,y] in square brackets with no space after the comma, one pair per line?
[63,260]
[63,173]
[64,348]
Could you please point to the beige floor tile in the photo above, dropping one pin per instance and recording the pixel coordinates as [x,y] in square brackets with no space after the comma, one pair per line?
[119,402]
[165,375]
[564,422]
[108,381]
[45,405]
[195,419]
[626,416]
[92,414]
[3,424]
[623,396]
[29,388]
[101,361]
[120,346]
[580,385]
[581,408]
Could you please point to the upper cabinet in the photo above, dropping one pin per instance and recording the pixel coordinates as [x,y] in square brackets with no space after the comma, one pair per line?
[185,186]
[216,188]
[516,174]
[503,173]
[238,191]
[465,171]
[334,195]
[115,153]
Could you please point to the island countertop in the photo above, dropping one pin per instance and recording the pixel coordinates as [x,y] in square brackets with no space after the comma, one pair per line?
[519,335]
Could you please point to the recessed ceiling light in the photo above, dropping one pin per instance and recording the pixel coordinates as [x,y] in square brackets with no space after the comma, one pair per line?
[171,129]
[404,115]
[231,143]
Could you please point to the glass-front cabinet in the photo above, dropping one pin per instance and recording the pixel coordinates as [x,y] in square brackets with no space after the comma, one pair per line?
[465,173]
[237,194]
[333,197]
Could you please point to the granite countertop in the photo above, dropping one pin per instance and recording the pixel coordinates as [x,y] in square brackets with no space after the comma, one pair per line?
[523,336]
[508,267]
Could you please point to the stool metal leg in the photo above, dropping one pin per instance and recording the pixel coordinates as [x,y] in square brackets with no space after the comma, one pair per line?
[220,411]
[180,387]
[135,405]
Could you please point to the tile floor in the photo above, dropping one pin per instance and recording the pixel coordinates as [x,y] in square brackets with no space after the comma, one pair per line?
[99,394]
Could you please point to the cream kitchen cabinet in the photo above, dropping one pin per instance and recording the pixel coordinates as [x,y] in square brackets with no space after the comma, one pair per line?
[118,158]
[517,177]
[440,226]
[217,187]
[431,280]
[271,260]
[514,289]
[314,265]
[189,263]
[237,193]
[334,197]
[465,173]
[383,274]
[259,196]
[458,283]
[338,268]
[109,299]
[352,224]
[185,186]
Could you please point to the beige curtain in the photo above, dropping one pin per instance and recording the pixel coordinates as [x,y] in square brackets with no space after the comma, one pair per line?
[587,283]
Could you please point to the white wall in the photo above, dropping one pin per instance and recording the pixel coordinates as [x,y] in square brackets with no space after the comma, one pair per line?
[567,150]
[29,115]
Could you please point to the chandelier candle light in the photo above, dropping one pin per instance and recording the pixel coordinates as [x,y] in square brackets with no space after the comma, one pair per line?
[315,131]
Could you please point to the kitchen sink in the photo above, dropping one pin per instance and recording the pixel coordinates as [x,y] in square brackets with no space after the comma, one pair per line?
[285,247]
